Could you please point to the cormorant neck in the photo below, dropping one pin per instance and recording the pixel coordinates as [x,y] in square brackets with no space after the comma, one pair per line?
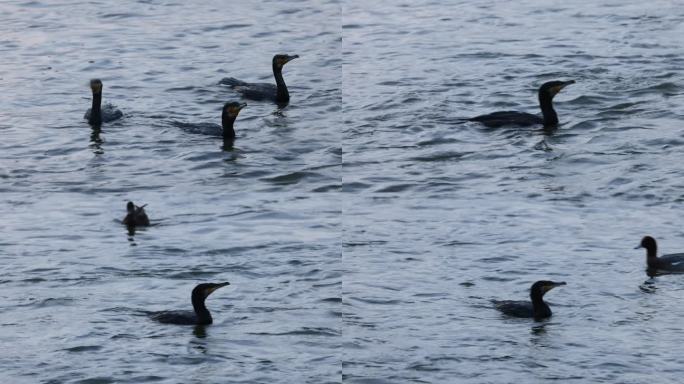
[95,110]
[228,131]
[282,94]
[539,307]
[203,315]
[545,102]
[651,252]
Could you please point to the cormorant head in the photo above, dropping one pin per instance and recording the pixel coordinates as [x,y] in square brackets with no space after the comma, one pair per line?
[130,207]
[282,59]
[649,243]
[543,286]
[232,109]
[552,88]
[205,289]
[96,85]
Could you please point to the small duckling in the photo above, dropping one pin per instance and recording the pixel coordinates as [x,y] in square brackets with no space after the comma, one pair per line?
[136,215]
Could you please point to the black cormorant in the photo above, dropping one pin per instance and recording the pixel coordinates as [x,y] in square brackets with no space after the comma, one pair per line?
[136,215]
[536,308]
[673,262]
[200,316]
[228,115]
[521,119]
[265,91]
[96,115]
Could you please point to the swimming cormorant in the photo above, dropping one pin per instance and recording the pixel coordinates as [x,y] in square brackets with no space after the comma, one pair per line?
[537,308]
[96,115]
[200,316]
[521,119]
[228,115]
[265,91]
[673,262]
[136,215]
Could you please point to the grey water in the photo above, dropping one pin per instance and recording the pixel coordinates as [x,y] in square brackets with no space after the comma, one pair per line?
[364,228]
[265,216]
[440,216]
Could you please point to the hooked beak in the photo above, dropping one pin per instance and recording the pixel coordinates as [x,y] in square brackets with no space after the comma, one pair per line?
[638,246]
[242,105]
[553,285]
[557,88]
[217,286]
[290,58]
[567,83]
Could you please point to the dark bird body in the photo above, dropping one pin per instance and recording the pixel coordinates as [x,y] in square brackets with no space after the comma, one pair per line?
[96,114]
[536,308]
[549,118]
[226,130]
[265,91]
[200,315]
[672,262]
[228,116]
[520,308]
[136,216]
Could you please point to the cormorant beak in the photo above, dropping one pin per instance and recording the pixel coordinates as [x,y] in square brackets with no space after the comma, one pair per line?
[567,83]
[216,286]
[556,89]
[553,285]
[242,106]
[638,246]
[290,58]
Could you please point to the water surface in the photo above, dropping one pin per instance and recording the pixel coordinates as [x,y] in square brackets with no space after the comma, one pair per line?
[440,217]
[264,216]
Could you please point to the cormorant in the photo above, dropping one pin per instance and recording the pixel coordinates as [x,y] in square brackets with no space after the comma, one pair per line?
[537,308]
[96,115]
[521,119]
[265,91]
[200,316]
[136,215]
[229,113]
[228,116]
[673,262]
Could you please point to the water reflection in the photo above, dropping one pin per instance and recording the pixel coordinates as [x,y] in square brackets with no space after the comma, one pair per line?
[538,329]
[95,140]
[201,332]
[648,286]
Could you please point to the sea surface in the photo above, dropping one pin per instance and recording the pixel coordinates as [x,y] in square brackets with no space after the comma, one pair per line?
[441,216]
[265,216]
[365,227]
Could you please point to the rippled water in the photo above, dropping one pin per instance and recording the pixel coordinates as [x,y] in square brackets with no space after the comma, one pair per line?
[440,217]
[377,271]
[265,216]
